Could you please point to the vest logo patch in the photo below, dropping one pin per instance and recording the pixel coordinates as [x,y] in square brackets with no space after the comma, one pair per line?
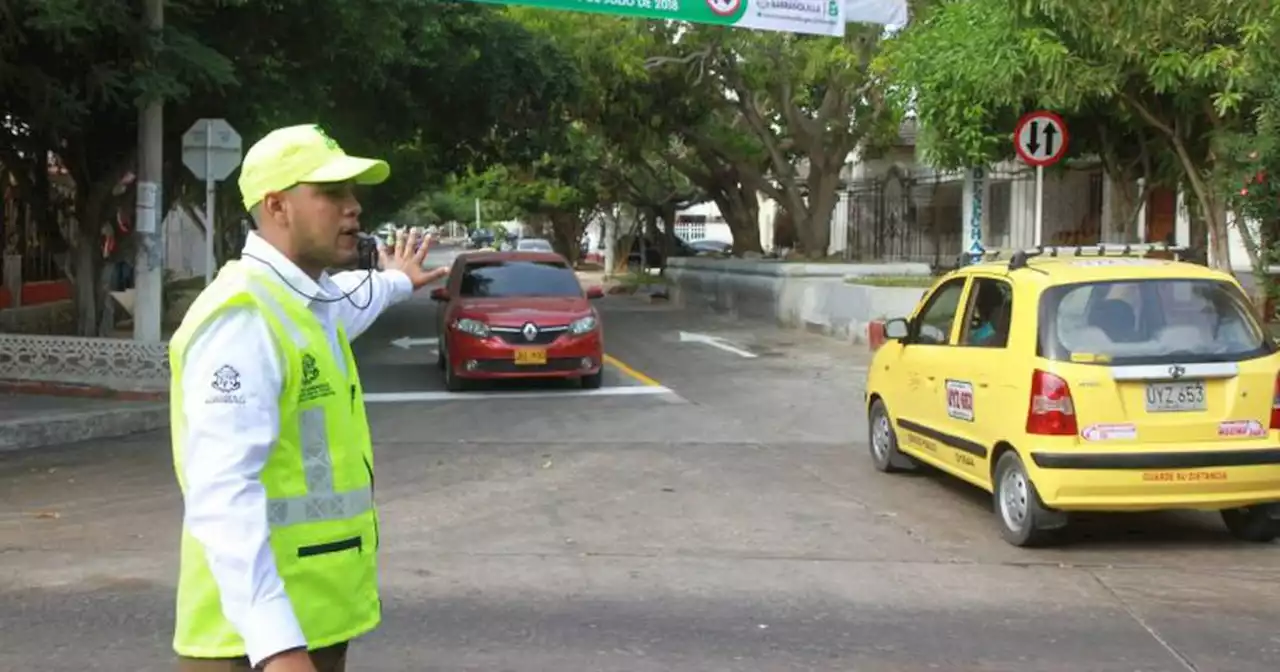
[310,371]
[226,380]
[311,390]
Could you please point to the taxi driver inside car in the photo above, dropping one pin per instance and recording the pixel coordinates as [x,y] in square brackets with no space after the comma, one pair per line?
[1146,384]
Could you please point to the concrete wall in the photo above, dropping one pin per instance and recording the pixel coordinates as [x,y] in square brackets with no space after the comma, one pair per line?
[816,297]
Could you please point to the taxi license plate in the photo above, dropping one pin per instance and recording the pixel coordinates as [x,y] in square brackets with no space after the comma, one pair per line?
[1176,397]
[531,357]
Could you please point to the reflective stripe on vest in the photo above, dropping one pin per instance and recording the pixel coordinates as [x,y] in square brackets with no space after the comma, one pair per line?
[320,502]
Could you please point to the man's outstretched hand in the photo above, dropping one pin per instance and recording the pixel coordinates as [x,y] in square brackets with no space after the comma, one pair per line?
[409,254]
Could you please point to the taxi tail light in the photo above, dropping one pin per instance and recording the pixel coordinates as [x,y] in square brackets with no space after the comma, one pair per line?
[1051,411]
[1275,404]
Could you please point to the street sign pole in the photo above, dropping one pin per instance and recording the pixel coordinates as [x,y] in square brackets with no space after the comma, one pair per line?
[211,151]
[210,191]
[1040,139]
[1039,232]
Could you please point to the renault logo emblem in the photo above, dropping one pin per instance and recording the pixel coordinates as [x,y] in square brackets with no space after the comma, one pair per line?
[530,331]
[1176,371]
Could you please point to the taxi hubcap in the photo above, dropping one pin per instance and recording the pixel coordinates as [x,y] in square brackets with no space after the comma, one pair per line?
[880,437]
[1013,499]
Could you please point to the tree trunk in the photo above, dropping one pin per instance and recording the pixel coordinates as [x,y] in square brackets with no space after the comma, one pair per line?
[87,267]
[609,224]
[1215,222]
[566,233]
[1126,203]
[741,212]
[625,238]
[90,295]
[815,230]
[667,213]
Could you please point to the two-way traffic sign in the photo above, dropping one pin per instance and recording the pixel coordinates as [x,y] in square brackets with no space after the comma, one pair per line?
[1040,139]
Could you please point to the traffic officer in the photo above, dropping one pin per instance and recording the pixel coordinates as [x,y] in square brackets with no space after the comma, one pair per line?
[271,446]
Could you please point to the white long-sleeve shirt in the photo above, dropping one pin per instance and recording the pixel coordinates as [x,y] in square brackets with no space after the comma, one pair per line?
[228,438]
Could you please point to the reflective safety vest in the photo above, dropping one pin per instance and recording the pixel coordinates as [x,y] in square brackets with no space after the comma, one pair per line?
[318,478]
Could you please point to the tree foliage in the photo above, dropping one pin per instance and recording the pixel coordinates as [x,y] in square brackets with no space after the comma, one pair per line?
[803,103]
[431,86]
[1165,85]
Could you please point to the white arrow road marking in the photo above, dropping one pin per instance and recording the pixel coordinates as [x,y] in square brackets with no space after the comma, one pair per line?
[406,342]
[715,342]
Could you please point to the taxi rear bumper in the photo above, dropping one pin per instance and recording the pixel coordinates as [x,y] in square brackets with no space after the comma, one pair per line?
[1153,480]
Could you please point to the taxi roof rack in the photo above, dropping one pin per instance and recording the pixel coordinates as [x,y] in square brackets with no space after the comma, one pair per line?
[1021,257]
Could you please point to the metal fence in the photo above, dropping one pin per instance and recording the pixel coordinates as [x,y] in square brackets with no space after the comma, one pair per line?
[903,217]
[918,216]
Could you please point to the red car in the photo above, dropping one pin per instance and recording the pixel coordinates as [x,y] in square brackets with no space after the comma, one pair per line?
[517,315]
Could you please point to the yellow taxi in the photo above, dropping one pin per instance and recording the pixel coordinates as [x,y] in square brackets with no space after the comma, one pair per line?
[1085,379]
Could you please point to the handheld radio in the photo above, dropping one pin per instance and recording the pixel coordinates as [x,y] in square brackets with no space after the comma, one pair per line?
[367,252]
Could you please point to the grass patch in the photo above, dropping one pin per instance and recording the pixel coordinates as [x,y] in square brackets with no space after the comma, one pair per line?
[921,281]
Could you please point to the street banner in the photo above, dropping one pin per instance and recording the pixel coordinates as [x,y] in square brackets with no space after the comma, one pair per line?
[810,17]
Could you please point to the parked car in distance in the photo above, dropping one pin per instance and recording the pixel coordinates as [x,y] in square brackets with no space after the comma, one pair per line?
[653,253]
[1063,382]
[534,245]
[712,247]
[517,315]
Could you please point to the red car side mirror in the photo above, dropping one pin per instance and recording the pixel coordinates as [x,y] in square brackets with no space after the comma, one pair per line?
[440,294]
[595,292]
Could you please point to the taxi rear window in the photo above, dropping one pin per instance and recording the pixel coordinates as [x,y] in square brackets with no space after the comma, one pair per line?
[1149,322]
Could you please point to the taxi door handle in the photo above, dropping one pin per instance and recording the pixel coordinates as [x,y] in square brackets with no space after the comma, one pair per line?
[982,384]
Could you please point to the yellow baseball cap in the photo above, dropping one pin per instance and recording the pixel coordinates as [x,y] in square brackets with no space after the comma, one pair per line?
[305,153]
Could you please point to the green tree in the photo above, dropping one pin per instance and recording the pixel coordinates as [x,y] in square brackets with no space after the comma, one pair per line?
[559,192]
[808,102]
[431,86]
[70,73]
[1176,82]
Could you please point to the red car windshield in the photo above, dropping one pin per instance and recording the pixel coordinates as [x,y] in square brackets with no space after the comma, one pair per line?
[518,278]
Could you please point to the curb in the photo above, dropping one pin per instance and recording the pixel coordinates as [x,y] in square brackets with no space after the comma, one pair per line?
[76,390]
[84,426]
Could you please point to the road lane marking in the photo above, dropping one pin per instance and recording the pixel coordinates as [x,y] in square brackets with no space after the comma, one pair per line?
[636,375]
[394,397]
[408,342]
[715,342]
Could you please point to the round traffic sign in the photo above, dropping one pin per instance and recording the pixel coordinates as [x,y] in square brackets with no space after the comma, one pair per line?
[1040,138]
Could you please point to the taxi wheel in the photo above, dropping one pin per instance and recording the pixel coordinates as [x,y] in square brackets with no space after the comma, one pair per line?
[884,442]
[593,381]
[1022,516]
[1252,524]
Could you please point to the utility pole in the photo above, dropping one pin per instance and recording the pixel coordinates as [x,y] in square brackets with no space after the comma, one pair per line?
[148,275]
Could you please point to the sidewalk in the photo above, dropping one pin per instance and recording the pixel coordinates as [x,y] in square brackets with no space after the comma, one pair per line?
[37,420]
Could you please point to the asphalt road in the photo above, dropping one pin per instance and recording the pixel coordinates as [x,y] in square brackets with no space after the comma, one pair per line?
[725,518]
